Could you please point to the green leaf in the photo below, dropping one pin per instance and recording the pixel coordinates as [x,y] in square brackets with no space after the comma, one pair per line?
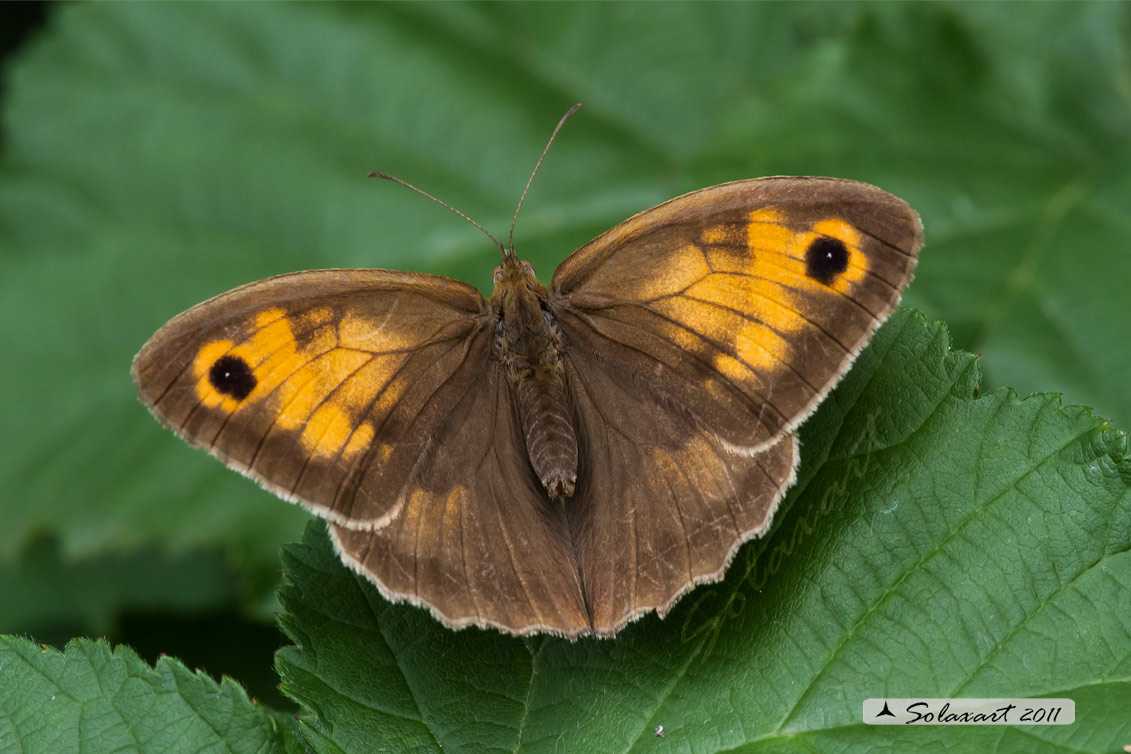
[91,699]
[938,544]
[158,154]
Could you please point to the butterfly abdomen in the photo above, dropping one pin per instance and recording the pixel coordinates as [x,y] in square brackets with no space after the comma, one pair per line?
[551,442]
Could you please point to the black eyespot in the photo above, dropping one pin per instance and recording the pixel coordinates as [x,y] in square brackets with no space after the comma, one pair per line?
[232,376]
[825,259]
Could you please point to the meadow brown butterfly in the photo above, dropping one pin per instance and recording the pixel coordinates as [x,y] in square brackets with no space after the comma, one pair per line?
[558,459]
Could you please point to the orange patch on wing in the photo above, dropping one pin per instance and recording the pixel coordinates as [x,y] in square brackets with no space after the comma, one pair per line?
[779,252]
[271,335]
[268,339]
[376,386]
[384,451]
[270,352]
[724,235]
[364,385]
[368,334]
[304,390]
[767,233]
[359,440]
[201,367]
[857,262]
[746,305]
[758,347]
[207,356]
[750,304]
[753,345]
[715,234]
[268,316]
[769,300]
[680,269]
[288,359]
[318,386]
[455,502]
[275,369]
[326,431]
[315,317]
[688,340]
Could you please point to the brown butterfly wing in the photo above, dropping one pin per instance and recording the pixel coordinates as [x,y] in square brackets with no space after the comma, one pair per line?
[699,334]
[745,301]
[477,540]
[370,397]
[661,503]
[322,385]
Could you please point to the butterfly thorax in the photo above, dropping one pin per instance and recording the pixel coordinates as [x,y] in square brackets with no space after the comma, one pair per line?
[528,344]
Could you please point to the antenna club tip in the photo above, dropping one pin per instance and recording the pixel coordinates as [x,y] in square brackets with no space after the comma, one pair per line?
[375,174]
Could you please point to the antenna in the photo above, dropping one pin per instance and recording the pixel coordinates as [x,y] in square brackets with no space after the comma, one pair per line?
[442,203]
[507,252]
[510,240]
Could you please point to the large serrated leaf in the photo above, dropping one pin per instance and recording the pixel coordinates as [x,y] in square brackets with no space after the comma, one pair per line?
[938,544]
[90,699]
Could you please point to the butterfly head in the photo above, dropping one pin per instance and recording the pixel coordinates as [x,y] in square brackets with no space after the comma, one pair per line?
[512,268]
[514,279]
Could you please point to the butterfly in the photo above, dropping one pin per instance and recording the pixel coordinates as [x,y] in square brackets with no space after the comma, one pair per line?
[559,458]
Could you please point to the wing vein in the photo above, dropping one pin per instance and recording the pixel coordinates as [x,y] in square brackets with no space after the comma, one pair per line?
[367,456]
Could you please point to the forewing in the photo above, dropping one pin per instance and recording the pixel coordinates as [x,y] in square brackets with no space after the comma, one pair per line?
[326,386]
[476,540]
[743,302]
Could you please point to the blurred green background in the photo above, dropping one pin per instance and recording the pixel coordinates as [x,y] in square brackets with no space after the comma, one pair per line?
[155,155]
